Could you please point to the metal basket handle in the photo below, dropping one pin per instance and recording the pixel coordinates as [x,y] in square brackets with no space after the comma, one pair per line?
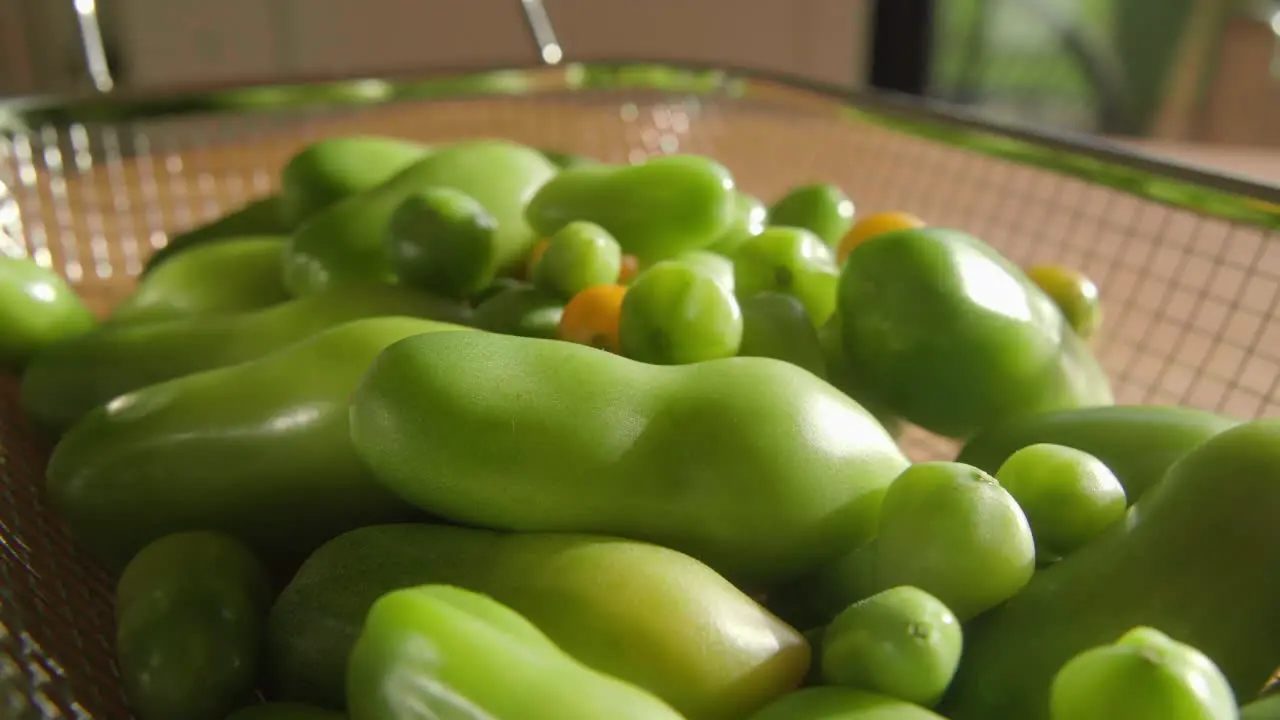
[544,35]
[98,65]
[1275,49]
[93,45]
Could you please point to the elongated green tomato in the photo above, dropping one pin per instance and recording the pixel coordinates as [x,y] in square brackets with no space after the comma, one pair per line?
[1068,496]
[285,711]
[1264,708]
[901,642]
[952,531]
[656,209]
[823,209]
[259,217]
[1139,443]
[578,256]
[675,314]
[443,240]
[438,652]
[191,614]
[230,276]
[792,261]
[72,377]
[841,703]
[37,308]
[749,216]
[591,595]
[345,244]
[1145,675]
[329,170]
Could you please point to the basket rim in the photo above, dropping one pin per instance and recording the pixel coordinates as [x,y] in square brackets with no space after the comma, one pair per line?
[1098,160]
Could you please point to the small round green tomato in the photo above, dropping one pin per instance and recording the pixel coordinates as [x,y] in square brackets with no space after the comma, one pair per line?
[748,221]
[1145,675]
[442,240]
[822,209]
[675,314]
[521,310]
[776,325]
[497,287]
[902,642]
[578,256]
[793,261]
[191,609]
[37,308]
[716,265]
[1074,294]
[952,531]
[1068,496]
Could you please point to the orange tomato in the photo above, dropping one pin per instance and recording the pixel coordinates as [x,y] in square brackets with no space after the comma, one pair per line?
[630,268]
[873,225]
[534,256]
[591,317]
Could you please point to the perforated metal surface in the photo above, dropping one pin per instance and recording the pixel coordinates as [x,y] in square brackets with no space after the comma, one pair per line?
[1190,300]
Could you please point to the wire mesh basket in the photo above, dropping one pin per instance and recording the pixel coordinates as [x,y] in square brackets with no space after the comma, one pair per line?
[1188,263]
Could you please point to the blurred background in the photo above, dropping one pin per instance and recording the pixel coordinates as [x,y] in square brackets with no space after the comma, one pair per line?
[1176,75]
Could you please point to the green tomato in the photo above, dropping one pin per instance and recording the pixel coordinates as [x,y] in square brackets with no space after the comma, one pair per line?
[656,209]
[813,676]
[902,642]
[521,310]
[840,703]
[191,611]
[749,216]
[822,209]
[1264,708]
[952,531]
[954,338]
[1068,496]
[442,240]
[37,308]
[1145,675]
[719,267]
[850,381]
[578,256]
[286,711]
[675,313]
[819,595]
[564,160]
[792,261]
[1074,294]
[497,287]
[776,325]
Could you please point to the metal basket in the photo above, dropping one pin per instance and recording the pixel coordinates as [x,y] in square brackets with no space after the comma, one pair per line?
[1188,262]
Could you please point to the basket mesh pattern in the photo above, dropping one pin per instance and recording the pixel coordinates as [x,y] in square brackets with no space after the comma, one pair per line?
[1190,301]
